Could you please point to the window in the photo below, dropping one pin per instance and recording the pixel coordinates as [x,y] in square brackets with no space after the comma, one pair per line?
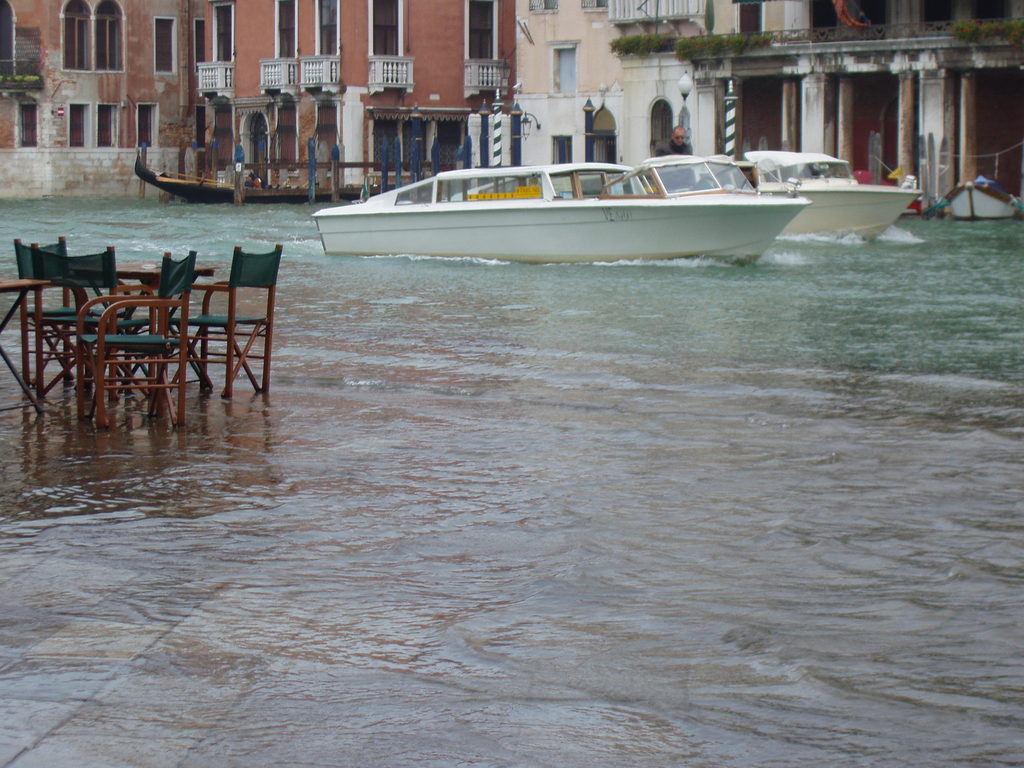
[163,45]
[223,136]
[200,136]
[286,134]
[106,115]
[481,29]
[286,29]
[28,125]
[108,36]
[561,149]
[749,17]
[326,125]
[990,9]
[76,35]
[6,36]
[565,70]
[199,40]
[385,27]
[76,126]
[543,5]
[223,33]
[144,120]
[661,123]
[327,15]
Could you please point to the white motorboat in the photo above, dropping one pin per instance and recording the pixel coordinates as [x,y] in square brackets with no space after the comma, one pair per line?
[982,198]
[839,203]
[573,212]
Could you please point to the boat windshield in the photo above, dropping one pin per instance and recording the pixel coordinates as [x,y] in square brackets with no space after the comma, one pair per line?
[484,188]
[816,170]
[640,183]
[416,193]
[688,177]
[576,184]
[731,177]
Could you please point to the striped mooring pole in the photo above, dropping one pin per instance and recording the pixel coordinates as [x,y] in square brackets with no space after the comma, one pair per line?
[496,146]
[730,121]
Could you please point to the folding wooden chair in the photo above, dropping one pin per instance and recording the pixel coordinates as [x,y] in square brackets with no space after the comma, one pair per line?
[244,333]
[152,361]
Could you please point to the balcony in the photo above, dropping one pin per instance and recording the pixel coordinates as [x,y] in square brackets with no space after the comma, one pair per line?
[279,76]
[485,75]
[216,79]
[19,75]
[321,73]
[390,72]
[641,11]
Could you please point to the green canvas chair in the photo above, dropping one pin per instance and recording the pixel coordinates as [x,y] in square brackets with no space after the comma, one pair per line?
[243,334]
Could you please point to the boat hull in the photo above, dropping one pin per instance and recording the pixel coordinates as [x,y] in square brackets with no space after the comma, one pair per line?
[565,231]
[866,210]
[973,203]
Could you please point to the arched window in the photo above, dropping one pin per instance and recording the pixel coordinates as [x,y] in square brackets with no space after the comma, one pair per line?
[108,36]
[605,149]
[661,123]
[76,35]
[6,39]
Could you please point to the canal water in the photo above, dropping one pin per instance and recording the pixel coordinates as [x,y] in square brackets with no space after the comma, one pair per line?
[677,514]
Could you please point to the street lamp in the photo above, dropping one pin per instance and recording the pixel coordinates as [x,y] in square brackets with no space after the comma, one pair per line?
[685,86]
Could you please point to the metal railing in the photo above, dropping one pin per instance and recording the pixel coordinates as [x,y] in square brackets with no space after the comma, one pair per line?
[588,4]
[18,68]
[390,72]
[543,5]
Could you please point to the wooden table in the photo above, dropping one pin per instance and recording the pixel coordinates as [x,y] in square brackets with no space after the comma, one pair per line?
[148,273]
[22,288]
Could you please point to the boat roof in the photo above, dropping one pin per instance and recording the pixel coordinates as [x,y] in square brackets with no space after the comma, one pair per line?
[654,162]
[769,159]
[530,170]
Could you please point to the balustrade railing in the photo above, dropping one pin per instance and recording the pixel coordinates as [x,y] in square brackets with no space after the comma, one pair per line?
[390,72]
[485,74]
[216,76]
[321,72]
[277,74]
[634,11]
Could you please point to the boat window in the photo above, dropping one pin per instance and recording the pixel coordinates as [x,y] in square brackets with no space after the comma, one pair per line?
[678,178]
[562,182]
[477,189]
[417,193]
[591,182]
[637,184]
[731,177]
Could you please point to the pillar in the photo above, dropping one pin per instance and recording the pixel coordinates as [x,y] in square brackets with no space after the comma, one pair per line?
[814,106]
[905,154]
[790,115]
[968,137]
[844,148]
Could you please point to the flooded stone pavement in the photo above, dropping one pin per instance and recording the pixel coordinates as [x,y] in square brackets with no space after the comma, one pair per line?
[494,515]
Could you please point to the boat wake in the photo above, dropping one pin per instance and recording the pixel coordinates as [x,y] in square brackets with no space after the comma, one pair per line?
[784,259]
[899,236]
[825,238]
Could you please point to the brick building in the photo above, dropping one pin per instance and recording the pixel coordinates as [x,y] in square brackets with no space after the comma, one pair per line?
[84,83]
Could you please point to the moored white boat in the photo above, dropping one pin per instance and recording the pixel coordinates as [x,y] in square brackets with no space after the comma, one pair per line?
[982,199]
[839,203]
[573,212]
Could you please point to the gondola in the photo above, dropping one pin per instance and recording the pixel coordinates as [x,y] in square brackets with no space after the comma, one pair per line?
[194,189]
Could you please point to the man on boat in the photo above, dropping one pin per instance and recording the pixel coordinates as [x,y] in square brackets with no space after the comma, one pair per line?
[677,145]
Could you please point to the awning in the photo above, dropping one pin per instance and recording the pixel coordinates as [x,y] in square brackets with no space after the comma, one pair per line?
[428,113]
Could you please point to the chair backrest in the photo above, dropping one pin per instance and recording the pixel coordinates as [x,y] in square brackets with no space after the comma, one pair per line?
[176,277]
[96,271]
[254,270]
[23,255]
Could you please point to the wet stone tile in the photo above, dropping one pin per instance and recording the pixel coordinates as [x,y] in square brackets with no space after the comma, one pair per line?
[98,640]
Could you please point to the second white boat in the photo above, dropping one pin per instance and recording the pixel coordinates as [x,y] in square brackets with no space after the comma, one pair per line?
[575,212]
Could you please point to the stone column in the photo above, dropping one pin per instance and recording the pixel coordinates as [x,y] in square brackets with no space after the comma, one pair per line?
[968,137]
[816,123]
[937,110]
[844,149]
[707,124]
[790,115]
[905,150]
